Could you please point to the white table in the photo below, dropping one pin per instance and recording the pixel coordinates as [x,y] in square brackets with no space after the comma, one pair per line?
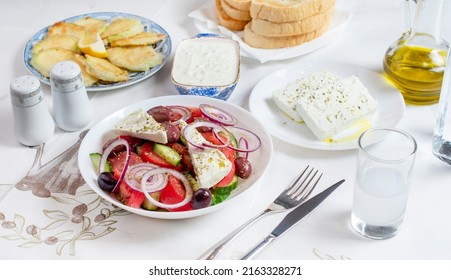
[326,234]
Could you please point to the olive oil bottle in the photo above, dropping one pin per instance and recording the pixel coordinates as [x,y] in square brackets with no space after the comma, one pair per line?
[415,63]
[416,71]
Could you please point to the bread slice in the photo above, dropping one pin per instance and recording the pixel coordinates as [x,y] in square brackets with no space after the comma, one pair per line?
[288,10]
[235,13]
[290,28]
[243,5]
[226,21]
[272,42]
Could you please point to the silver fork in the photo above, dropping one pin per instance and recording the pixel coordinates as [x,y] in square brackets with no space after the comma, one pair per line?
[293,195]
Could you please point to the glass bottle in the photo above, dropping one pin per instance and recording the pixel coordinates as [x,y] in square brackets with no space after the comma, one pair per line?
[441,140]
[416,61]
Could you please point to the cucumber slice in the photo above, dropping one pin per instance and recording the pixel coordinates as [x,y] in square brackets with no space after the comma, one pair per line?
[193,182]
[167,153]
[149,205]
[221,194]
[138,149]
[95,159]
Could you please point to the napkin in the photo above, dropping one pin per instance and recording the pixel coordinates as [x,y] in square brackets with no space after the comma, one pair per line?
[206,22]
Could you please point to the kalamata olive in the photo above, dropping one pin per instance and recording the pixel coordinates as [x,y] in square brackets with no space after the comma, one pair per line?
[172,132]
[202,129]
[243,167]
[160,113]
[106,181]
[201,199]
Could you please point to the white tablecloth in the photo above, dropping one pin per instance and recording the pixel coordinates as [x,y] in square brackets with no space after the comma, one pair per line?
[326,234]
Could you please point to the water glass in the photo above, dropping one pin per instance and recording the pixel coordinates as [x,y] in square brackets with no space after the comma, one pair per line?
[384,170]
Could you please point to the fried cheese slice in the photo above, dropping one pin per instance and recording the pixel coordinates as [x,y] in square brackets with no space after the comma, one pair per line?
[92,25]
[67,28]
[44,60]
[63,41]
[138,58]
[105,70]
[88,79]
[141,39]
[122,28]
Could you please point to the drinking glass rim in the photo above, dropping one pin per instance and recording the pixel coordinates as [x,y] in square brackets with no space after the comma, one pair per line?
[400,131]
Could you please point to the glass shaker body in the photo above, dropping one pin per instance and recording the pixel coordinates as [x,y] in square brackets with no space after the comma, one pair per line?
[33,123]
[71,108]
[441,140]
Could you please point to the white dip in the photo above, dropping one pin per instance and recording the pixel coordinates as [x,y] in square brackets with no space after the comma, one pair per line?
[206,62]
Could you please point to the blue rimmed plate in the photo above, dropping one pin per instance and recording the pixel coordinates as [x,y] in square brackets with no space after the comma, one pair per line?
[134,77]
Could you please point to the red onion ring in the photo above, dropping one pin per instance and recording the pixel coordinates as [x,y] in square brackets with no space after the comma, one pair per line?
[242,142]
[252,139]
[181,110]
[135,174]
[192,128]
[217,115]
[108,151]
[178,175]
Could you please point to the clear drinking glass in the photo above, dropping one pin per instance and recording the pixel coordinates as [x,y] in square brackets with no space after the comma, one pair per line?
[384,170]
[441,140]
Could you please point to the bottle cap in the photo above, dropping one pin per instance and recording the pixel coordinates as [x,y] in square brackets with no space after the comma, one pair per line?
[65,76]
[26,91]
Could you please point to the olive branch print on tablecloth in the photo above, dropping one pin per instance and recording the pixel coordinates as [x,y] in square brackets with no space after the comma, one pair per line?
[91,218]
[324,256]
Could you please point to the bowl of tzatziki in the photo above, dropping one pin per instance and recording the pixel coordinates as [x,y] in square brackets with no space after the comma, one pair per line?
[206,65]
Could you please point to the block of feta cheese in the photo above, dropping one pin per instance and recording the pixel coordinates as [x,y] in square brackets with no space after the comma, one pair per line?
[287,98]
[142,125]
[331,105]
[210,165]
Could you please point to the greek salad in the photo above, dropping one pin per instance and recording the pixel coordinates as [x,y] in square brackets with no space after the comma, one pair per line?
[175,158]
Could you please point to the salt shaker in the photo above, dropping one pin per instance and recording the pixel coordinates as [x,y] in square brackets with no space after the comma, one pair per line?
[71,108]
[441,140]
[33,123]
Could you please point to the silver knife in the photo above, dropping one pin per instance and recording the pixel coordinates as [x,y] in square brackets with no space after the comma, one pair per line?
[292,219]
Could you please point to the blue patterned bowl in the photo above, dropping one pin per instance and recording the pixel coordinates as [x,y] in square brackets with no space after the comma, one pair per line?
[221,90]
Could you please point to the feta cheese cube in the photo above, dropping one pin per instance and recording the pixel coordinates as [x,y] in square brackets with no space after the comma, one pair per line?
[287,98]
[210,165]
[142,125]
[334,105]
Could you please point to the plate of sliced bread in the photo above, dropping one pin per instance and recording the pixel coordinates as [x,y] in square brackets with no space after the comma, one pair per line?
[273,29]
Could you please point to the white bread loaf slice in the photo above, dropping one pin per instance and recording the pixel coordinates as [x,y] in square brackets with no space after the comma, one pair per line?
[288,10]
[243,5]
[272,42]
[235,13]
[226,21]
[290,28]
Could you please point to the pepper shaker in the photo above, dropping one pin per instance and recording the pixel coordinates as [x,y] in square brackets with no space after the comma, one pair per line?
[71,108]
[33,123]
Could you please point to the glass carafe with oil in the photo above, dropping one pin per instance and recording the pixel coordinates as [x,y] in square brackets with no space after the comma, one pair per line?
[415,62]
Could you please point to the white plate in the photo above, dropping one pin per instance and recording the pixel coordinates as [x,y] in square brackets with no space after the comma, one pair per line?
[101,132]
[205,21]
[164,47]
[391,102]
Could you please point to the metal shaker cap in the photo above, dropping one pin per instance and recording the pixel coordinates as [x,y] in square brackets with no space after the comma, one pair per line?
[26,91]
[65,76]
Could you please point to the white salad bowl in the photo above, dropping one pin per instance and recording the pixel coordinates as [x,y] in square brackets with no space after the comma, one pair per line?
[102,132]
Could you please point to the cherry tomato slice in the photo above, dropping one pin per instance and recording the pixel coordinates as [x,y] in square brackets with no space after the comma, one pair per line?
[174,192]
